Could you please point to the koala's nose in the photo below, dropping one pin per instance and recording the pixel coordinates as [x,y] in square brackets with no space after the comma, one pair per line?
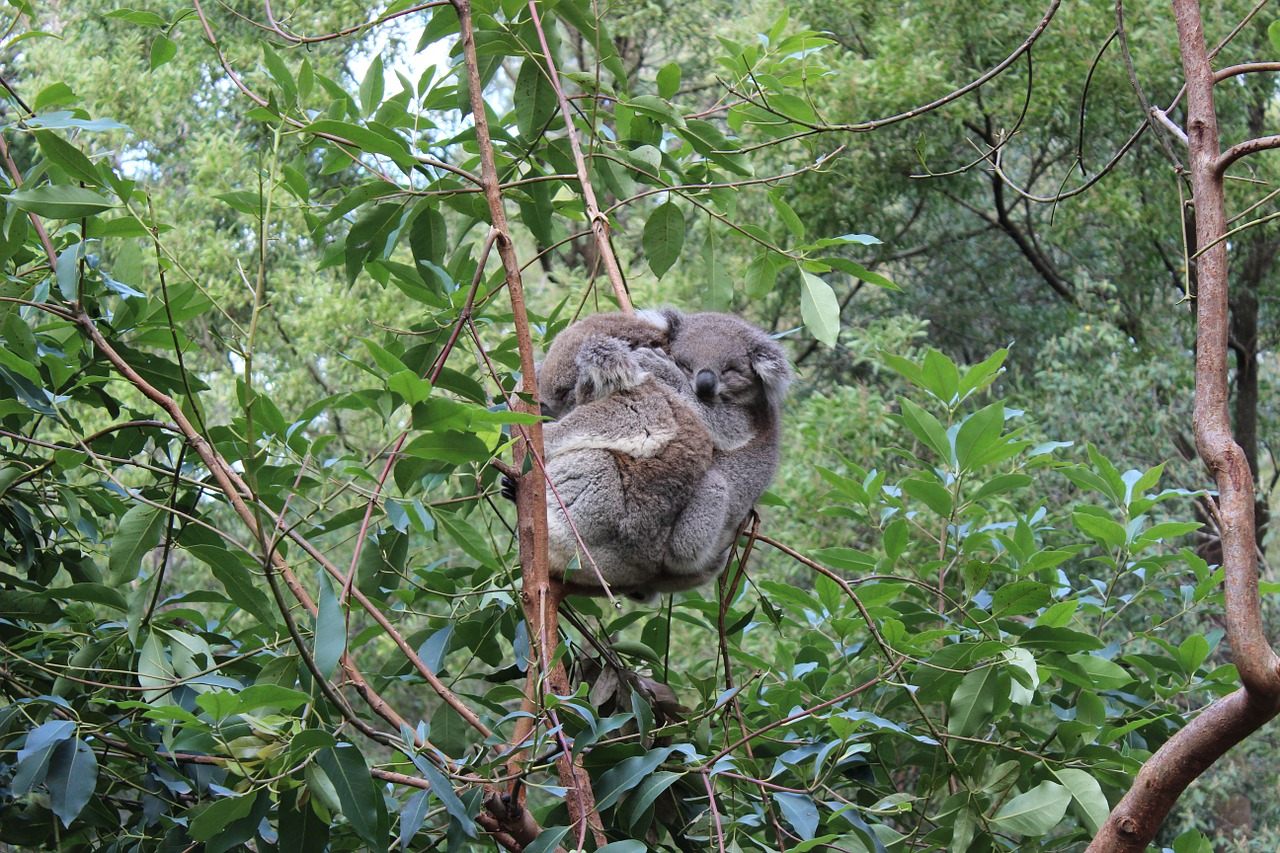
[546,411]
[704,384]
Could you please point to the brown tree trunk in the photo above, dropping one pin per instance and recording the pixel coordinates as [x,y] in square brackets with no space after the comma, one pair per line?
[1227,721]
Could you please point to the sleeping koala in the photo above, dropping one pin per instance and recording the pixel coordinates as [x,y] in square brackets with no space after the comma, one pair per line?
[737,378]
[626,456]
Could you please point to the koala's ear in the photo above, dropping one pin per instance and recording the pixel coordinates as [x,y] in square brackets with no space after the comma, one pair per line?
[605,366]
[668,319]
[771,365]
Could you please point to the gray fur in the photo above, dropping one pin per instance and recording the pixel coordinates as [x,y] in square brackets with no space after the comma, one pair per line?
[626,457]
[737,378]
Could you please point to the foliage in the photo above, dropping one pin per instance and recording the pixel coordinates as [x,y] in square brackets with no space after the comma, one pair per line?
[251,610]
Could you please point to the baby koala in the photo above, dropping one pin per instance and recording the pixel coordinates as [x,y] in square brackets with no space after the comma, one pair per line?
[624,459]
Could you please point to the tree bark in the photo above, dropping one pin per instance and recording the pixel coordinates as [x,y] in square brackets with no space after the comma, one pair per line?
[1138,816]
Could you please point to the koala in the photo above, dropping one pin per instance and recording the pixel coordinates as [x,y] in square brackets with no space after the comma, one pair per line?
[736,377]
[626,456]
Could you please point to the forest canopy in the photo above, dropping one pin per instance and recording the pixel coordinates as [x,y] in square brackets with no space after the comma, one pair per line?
[276,280]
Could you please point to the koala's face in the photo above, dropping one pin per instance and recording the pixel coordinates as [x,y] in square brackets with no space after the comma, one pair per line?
[729,362]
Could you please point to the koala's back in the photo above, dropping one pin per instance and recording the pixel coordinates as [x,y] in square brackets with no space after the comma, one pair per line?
[624,466]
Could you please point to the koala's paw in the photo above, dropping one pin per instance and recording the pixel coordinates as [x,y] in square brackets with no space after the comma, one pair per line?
[508,488]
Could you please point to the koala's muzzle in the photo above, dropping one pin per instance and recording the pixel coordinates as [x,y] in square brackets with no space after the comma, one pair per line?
[705,384]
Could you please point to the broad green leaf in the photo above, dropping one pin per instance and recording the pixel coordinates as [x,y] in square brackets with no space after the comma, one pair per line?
[639,800]
[534,99]
[448,798]
[973,702]
[1105,674]
[162,50]
[548,839]
[359,799]
[331,628]
[373,86]
[941,377]
[1019,598]
[978,434]
[371,141]
[214,819]
[819,308]
[1035,812]
[1098,525]
[799,811]
[72,778]
[932,493]
[927,428]
[787,215]
[663,237]
[1087,794]
[668,80]
[68,157]
[238,582]
[999,485]
[37,752]
[59,201]
[136,535]
[628,773]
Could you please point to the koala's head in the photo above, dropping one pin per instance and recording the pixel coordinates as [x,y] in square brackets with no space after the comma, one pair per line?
[729,362]
[593,358]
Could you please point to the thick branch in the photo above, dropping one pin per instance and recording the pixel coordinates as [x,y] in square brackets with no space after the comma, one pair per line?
[541,596]
[1184,757]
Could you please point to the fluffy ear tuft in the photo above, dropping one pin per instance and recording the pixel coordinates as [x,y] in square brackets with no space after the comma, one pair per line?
[771,365]
[668,319]
[605,366]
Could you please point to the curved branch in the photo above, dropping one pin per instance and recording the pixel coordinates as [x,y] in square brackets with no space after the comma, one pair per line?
[1244,149]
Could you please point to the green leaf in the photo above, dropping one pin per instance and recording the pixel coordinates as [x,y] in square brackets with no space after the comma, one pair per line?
[1099,526]
[448,798]
[1088,796]
[534,98]
[59,201]
[238,582]
[162,50]
[1273,33]
[37,752]
[978,434]
[1035,812]
[668,80]
[136,535]
[799,811]
[626,775]
[932,493]
[941,377]
[390,145]
[68,158]
[1019,598]
[142,18]
[372,87]
[787,215]
[819,308]
[214,820]
[360,801]
[927,428]
[663,237]
[973,702]
[331,628]
[72,778]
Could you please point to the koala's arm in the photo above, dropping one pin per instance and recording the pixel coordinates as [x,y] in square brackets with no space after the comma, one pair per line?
[698,539]
[660,366]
